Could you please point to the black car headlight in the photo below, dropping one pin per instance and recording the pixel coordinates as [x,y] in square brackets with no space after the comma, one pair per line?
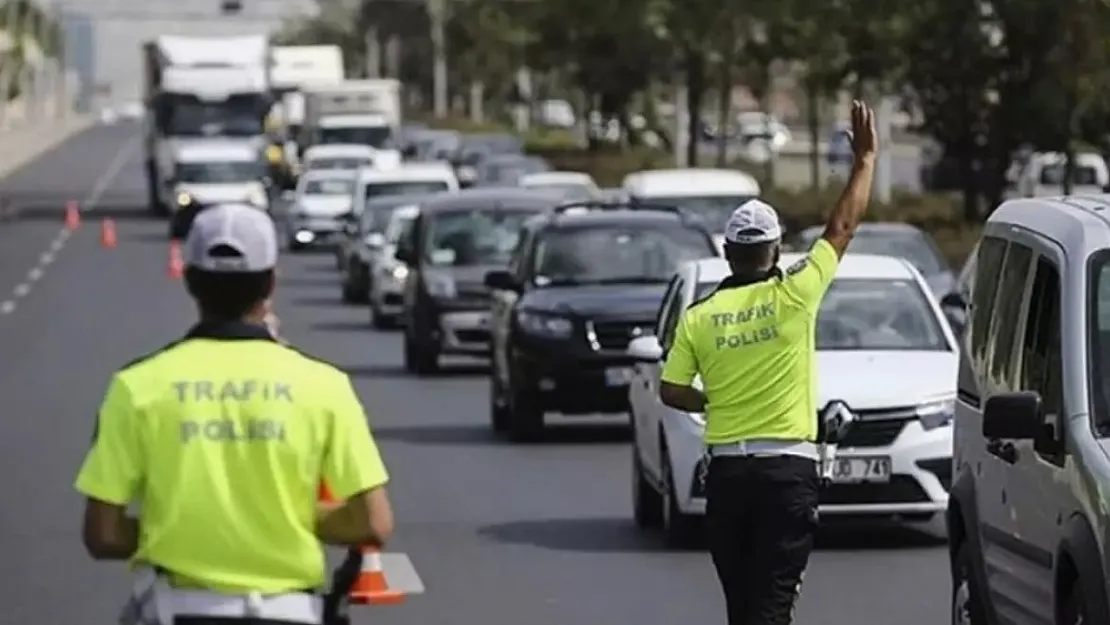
[541,324]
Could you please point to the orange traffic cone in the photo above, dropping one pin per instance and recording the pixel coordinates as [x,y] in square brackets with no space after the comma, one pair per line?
[371,587]
[176,268]
[108,234]
[73,216]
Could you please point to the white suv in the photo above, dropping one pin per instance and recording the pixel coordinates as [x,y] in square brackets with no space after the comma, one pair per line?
[884,349]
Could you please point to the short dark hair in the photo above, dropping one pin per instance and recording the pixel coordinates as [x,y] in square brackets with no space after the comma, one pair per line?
[225,296]
[751,255]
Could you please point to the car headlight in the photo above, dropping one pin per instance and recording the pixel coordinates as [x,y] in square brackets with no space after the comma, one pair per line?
[544,325]
[440,286]
[399,272]
[184,199]
[936,414]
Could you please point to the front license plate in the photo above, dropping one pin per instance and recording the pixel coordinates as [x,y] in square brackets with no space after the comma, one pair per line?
[862,469]
[618,376]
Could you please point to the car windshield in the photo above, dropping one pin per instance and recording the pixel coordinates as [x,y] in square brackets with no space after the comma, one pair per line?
[218,172]
[411,187]
[511,171]
[616,254]
[714,210]
[911,245]
[377,211]
[339,162]
[497,144]
[478,237]
[871,314]
[571,192]
[329,186]
[376,137]
[236,117]
[1053,175]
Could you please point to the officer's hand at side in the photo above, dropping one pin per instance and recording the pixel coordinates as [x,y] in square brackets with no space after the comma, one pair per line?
[273,323]
[865,140]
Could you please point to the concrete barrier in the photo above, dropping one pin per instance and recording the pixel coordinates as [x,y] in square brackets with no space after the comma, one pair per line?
[23,144]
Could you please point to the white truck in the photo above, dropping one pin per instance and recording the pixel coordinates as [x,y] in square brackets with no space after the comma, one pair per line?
[300,68]
[201,87]
[361,112]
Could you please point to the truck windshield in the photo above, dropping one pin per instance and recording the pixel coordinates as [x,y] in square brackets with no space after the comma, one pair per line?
[380,137]
[236,117]
[219,172]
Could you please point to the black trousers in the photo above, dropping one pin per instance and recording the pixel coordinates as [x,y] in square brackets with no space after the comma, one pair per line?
[761,515]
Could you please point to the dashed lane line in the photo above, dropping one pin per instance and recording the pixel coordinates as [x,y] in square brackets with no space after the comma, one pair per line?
[47,257]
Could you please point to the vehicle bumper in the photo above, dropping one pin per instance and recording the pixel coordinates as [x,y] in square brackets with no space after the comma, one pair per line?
[570,379]
[463,332]
[386,293]
[921,474]
[315,230]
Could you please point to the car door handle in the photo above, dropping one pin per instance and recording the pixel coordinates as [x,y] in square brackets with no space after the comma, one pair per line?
[1004,451]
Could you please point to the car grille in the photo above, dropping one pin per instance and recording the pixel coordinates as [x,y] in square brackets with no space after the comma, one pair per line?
[900,489]
[617,335]
[879,433]
[473,296]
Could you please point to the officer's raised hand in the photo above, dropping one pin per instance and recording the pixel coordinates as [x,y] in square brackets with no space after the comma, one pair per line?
[865,140]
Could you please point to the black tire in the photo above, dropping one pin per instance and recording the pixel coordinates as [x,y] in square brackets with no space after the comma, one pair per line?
[179,227]
[295,246]
[647,503]
[420,358]
[967,600]
[525,416]
[680,530]
[381,321]
[409,355]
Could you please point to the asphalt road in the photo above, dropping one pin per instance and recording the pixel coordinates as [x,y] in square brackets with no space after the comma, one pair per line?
[501,534]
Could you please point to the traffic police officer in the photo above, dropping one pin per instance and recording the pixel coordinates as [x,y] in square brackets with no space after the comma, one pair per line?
[752,344]
[225,436]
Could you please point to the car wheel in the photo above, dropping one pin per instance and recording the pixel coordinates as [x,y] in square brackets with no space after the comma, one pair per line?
[409,354]
[679,529]
[967,607]
[647,505]
[525,415]
[380,320]
[498,410]
[420,357]
[179,227]
[295,246]
[350,294]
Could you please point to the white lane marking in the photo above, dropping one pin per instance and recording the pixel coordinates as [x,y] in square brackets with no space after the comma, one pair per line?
[59,241]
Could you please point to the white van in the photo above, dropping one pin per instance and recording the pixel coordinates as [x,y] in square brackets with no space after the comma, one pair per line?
[347,156]
[1043,175]
[711,194]
[218,170]
[405,179]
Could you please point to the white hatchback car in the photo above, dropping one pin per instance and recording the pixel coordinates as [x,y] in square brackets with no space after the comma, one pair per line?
[883,348]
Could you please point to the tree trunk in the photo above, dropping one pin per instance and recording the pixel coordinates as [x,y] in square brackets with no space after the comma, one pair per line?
[695,93]
[813,122]
[724,112]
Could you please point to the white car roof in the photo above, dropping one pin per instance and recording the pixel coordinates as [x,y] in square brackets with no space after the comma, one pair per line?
[339,150]
[557,177]
[330,174]
[408,171]
[705,182]
[217,150]
[853,266]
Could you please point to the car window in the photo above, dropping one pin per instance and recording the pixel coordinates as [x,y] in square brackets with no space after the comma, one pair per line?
[664,307]
[992,251]
[616,253]
[483,236]
[217,172]
[1040,362]
[336,162]
[713,210]
[1006,315]
[411,187]
[518,260]
[910,245]
[329,186]
[674,313]
[878,314]
[1053,175]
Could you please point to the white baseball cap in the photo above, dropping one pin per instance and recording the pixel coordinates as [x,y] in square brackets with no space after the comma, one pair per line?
[753,221]
[232,238]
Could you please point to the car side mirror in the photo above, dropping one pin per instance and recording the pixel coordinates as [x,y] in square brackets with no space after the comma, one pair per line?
[954,299]
[1017,416]
[374,240]
[645,349]
[501,280]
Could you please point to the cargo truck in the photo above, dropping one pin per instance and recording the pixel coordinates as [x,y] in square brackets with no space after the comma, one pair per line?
[361,112]
[295,69]
[201,87]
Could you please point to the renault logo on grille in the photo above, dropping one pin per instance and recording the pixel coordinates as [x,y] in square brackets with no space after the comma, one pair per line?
[836,419]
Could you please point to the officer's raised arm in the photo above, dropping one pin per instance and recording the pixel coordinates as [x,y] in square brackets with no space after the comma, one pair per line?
[846,215]
[110,477]
[354,472]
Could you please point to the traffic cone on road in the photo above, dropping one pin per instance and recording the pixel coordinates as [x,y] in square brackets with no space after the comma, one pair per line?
[176,268]
[108,234]
[73,216]
[371,587]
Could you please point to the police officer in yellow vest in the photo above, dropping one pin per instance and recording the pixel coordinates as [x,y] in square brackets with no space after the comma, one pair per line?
[223,437]
[752,344]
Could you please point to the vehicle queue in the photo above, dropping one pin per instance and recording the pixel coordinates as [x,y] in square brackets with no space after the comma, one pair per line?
[572,293]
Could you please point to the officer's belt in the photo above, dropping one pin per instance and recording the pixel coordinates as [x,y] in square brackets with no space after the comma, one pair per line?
[763,447]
